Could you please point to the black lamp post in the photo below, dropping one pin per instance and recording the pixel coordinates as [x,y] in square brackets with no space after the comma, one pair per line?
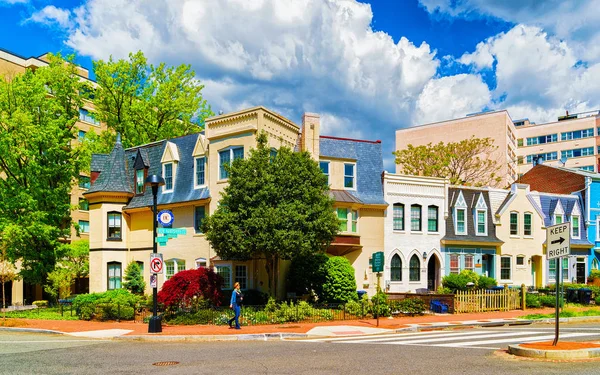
[154,181]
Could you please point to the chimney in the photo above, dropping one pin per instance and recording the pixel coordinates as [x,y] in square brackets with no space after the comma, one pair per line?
[311,130]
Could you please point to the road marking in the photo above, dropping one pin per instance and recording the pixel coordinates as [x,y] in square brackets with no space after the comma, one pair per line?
[45,341]
[533,339]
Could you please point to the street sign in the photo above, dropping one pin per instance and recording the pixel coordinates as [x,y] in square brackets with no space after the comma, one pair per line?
[175,231]
[153,282]
[558,240]
[156,263]
[378,261]
[161,240]
[165,217]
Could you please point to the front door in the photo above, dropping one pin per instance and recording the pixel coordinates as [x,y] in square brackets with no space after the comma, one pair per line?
[432,273]
[580,272]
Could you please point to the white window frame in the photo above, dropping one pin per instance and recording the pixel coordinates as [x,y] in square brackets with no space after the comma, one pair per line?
[354,179]
[235,276]
[562,218]
[229,266]
[530,224]
[196,185]
[510,223]
[552,277]
[403,228]
[510,268]
[578,234]
[176,269]
[485,230]
[230,149]
[458,206]
[200,263]
[328,163]
[520,256]
[164,173]
[455,270]
[471,258]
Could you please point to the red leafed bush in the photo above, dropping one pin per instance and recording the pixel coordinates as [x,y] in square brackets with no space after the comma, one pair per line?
[181,288]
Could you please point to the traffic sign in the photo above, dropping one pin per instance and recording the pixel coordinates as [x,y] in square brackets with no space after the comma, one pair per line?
[558,240]
[171,231]
[153,282]
[165,217]
[378,261]
[156,263]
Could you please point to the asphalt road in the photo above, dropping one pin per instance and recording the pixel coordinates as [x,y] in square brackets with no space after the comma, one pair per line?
[25,353]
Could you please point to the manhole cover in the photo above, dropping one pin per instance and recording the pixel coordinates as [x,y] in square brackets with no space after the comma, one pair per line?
[165,363]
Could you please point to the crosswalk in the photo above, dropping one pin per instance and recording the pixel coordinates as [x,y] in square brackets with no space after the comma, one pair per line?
[472,339]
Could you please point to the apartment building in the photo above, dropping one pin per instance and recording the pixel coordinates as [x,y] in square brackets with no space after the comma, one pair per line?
[192,166]
[572,141]
[12,64]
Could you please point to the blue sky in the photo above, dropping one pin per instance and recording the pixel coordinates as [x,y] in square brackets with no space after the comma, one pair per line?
[369,68]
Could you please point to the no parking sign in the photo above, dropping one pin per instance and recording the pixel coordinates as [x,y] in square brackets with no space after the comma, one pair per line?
[156,263]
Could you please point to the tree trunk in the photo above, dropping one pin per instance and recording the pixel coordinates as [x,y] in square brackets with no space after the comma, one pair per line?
[272,268]
[3,304]
[269,269]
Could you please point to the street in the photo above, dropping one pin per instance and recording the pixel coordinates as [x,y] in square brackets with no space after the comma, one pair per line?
[434,352]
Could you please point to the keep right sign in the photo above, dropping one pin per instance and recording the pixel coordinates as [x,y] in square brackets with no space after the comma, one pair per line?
[558,240]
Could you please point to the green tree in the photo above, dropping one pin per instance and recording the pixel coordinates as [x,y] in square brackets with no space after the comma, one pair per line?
[39,161]
[70,270]
[134,280]
[467,162]
[340,283]
[307,274]
[273,208]
[146,103]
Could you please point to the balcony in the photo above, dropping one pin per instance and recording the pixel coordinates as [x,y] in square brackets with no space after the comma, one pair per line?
[343,245]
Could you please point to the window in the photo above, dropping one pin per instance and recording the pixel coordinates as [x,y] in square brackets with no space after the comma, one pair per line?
[226,157]
[520,142]
[200,171]
[520,261]
[139,181]
[342,214]
[84,182]
[575,153]
[349,176]
[173,266]
[396,268]
[558,219]
[575,226]
[114,225]
[354,221]
[141,265]
[225,273]
[432,218]
[519,160]
[552,270]
[199,215]
[85,115]
[565,268]
[81,136]
[514,223]
[241,275]
[84,226]
[415,218]
[545,157]
[200,263]
[505,268]
[587,168]
[84,205]
[481,222]
[415,269]
[454,264]
[398,216]
[272,154]
[542,139]
[527,224]
[168,174]
[460,221]
[578,134]
[114,275]
[324,165]
[469,262]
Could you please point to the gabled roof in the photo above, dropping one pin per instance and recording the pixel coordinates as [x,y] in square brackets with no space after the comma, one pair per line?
[471,196]
[369,165]
[555,180]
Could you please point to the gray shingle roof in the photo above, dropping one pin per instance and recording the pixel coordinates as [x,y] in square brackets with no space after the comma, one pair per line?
[98,161]
[549,203]
[369,165]
[343,196]
[114,173]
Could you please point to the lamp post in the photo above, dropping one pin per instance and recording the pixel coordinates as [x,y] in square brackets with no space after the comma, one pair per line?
[154,181]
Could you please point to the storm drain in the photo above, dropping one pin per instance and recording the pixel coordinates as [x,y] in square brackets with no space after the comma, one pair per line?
[165,363]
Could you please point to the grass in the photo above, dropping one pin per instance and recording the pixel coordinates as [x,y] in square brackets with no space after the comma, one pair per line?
[565,314]
[51,313]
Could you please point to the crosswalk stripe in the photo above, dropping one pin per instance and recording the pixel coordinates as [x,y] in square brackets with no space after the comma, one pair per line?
[367,337]
[532,339]
[439,336]
[465,337]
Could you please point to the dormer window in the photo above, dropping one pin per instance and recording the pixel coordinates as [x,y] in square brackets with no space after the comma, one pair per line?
[558,219]
[168,176]
[575,226]
[481,217]
[350,175]
[200,166]
[139,181]
[559,213]
[460,215]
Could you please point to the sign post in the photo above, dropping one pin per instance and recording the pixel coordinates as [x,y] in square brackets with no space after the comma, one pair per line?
[558,244]
[378,261]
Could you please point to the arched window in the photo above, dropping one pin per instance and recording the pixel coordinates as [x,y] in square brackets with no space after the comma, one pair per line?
[396,268]
[415,268]
[595,264]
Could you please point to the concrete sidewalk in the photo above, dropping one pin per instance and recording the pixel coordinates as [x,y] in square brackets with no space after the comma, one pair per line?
[139,331]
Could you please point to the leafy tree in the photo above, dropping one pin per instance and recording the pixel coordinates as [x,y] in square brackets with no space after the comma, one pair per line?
[39,161]
[340,282]
[134,280]
[70,270]
[467,162]
[307,274]
[273,208]
[8,273]
[146,103]
[181,289]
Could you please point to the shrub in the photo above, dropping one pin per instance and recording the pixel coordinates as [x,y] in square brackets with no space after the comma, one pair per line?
[380,305]
[597,300]
[307,274]
[594,274]
[444,290]
[181,290]
[532,300]
[134,280]
[113,304]
[550,301]
[41,303]
[455,282]
[410,306]
[485,282]
[254,297]
[340,284]
[358,309]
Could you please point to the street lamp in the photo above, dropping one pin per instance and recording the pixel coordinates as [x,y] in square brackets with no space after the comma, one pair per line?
[154,181]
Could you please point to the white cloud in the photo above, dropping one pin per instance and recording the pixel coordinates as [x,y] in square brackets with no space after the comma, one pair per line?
[451,97]
[12,2]
[50,15]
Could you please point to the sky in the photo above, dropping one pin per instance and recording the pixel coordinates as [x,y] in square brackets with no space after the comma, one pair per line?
[368,68]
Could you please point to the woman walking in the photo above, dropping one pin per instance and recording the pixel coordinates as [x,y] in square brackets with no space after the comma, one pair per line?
[236,304]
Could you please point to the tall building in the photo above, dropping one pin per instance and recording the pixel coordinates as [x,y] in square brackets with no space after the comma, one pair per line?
[12,64]
[571,141]
[193,167]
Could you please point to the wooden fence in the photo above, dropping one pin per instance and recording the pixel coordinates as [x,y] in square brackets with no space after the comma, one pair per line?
[487,300]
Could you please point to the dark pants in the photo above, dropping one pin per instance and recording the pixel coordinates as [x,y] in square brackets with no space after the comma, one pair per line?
[237,311]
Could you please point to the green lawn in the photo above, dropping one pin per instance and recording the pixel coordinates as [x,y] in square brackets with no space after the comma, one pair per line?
[566,313]
[50,313]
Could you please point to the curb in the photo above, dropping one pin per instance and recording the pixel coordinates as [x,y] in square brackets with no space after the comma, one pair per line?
[554,354]
[576,319]
[200,338]
[433,326]
[32,330]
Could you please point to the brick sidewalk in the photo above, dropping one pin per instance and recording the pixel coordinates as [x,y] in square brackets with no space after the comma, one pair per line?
[139,328]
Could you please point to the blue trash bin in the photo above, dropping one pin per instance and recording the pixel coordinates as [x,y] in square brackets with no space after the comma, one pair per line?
[585,296]
[572,295]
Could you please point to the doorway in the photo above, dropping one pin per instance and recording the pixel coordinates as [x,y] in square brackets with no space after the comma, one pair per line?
[7,294]
[580,276]
[433,267]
